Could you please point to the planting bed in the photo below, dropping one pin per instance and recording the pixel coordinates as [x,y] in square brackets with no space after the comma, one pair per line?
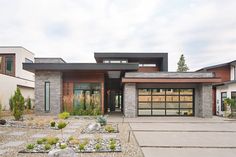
[108,128]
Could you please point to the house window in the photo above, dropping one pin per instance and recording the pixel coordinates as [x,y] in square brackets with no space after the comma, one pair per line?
[115,61]
[9,65]
[223,97]
[1,64]
[233,95]
[47,96]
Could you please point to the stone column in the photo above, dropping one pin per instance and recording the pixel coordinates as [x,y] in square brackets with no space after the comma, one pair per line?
[203,101]
[130,100]
[55,79]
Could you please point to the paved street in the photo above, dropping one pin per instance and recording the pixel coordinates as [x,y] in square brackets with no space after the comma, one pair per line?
[185,136]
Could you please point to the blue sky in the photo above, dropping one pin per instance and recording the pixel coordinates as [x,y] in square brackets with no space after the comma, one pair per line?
[204,30]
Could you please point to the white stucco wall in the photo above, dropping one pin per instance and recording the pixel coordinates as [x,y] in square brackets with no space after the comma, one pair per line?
[22,78]
[226,88]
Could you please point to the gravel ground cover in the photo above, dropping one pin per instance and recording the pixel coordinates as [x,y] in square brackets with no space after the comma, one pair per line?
[11,142]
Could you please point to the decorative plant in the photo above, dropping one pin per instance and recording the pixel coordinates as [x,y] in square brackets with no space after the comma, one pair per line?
[112,146]
[28,104]
[64,115]
[47,147]
[11,103]
[109,128]
[71,138]
[60,126]
[53,124]
[52,140]
[81,146]
[18,104]
[102,120]
[112,141]
[30,146]
[63,145]
[98,146]
[231,103]
[40,141]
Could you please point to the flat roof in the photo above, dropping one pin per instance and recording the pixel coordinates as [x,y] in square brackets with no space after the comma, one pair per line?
[99,56]
[79,66]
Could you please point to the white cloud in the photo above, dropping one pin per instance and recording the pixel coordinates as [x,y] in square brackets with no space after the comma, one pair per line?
[73,29]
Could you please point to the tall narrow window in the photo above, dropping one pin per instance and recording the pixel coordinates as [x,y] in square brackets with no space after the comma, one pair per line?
[9,65]
[223,97]
[1,64]
[47,96]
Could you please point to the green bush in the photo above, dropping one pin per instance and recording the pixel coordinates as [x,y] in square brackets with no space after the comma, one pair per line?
[11,103]
[102,120]
[81,146]
[30,146]
[52,140]
[109,128]
[18,104]
[40,141]
[64,115]
[61,125]
[47,147]
[63,146]
[112,141]
[28,104]
[53,124]
[98,146]
[112,147]
[71,138]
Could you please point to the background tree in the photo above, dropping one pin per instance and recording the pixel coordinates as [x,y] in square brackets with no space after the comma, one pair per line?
[182,66]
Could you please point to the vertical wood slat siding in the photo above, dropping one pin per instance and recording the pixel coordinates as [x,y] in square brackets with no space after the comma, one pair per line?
[70,78]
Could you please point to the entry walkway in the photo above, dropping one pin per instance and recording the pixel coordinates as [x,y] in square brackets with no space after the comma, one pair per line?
[184,136]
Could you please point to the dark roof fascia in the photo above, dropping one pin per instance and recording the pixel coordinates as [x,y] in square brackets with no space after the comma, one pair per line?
[32,67]
[217,66]
[101,55]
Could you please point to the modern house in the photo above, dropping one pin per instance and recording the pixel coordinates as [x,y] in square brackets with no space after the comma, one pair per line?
[225,88]
[137,84]
[12,74]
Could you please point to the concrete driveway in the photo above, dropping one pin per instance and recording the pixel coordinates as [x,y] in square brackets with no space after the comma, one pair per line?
[185,136]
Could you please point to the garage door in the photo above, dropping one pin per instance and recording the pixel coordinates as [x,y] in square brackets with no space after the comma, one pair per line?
[166,102]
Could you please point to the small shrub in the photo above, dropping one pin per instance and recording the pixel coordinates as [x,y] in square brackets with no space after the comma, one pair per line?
[11,103]
[61,125]
[52,140]
[40,141]
[64,115]
[75,141]
[102,120]
[18,104]
[29,104]
[71,138]
[63,146]
[30,146]
[112,141]
[81,146]
[112,147]
[109,129]
[98,146]
[53,124]
[86,141]
[47,147]
[44,139]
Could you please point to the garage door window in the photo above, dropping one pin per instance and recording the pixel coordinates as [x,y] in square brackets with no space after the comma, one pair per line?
[171,102]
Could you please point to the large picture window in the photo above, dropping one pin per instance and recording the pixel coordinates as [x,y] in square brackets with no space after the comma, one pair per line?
[47,96]
[159,102]
[9,65]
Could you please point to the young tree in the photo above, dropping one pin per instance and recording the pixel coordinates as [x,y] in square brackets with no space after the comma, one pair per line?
[18,104]
[182,66]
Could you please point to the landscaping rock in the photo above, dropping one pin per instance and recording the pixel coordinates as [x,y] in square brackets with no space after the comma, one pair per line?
[3,121]
[94,127]
[68,152]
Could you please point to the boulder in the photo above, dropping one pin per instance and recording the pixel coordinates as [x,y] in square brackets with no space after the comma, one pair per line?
[68,152]
[3,121]
[93,127]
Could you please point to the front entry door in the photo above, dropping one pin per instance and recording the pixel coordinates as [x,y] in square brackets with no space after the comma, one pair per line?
[115,101]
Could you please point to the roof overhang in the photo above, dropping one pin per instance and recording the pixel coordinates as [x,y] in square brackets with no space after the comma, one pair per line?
[171,80]
[32,67]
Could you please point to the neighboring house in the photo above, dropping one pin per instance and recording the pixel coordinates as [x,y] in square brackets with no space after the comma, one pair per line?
[226,88]
[138,84]
[12,74]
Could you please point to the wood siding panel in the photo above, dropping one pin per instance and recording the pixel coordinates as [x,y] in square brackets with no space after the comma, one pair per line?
[222,72]
[148,69]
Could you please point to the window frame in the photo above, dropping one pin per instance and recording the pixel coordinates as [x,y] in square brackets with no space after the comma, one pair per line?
[45,97]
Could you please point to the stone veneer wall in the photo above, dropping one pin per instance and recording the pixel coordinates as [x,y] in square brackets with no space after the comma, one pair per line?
[55,79]
[203,101]
[130,100]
